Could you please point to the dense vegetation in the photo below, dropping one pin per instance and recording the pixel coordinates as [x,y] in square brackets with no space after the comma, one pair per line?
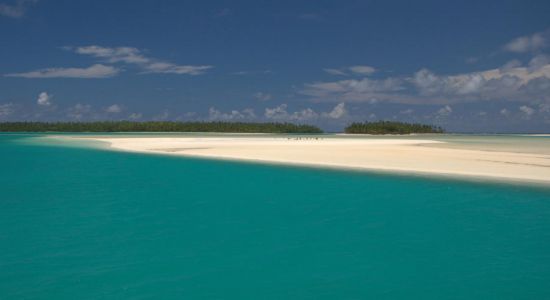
[127,126]
[389,127]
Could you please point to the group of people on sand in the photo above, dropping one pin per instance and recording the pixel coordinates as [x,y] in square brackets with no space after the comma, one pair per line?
[299,138]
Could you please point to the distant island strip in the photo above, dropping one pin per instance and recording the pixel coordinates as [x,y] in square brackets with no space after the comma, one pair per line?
[389,127]
[161,126]
[380,127]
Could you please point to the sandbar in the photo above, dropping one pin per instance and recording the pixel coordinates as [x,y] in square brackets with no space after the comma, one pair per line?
[386,154]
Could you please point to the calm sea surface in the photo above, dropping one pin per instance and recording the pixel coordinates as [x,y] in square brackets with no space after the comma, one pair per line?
[85,223]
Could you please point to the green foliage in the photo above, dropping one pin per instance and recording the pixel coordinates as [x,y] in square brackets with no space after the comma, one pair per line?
[389,127]
[127,126]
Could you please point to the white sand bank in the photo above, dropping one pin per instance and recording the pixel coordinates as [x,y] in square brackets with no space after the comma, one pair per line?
[388,154]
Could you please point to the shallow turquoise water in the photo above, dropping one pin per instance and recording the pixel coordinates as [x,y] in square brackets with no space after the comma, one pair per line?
[81,223]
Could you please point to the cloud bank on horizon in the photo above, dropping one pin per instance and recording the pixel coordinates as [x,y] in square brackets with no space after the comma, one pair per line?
[344,73]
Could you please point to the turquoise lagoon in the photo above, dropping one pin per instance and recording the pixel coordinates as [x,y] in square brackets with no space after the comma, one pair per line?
[86,223]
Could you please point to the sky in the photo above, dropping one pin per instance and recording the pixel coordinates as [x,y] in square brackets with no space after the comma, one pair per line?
[468,66]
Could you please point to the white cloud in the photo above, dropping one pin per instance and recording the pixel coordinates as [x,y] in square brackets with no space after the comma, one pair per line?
[527,111]
[528,43]
[6,109]
[249,112]
[168,68]
[445,111]
[95,71]
[114,109]
[510,82]
[304,114]
[363,70]
[335,72]
[363,90]
[44,99]
[406,111]
[538,62]
[162,116]
[130,55]
[79,111]
[358,69]
[430,84]
[190,115]
[338,111]
[504,112]
[215,114]
[514,63]
[365,85]
[17,10]
[262,96]
[280,113]
[135,116]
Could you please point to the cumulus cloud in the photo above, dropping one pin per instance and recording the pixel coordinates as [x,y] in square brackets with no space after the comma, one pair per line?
[365,85]
[281,113]
[358,69]
[504,112]
[445,111]
[278,112]
[527,111]
[121,54]
[514,63]
[95,71]
[162,116]
[363,70]
[262,96]
[428,83]
[512,82]
[16,10]
[113,109]
[134,56]
[335,72]
[44,99]
[338,111]
[539,62]
[528,43]
[363,90]
[215,114]
[135,116]
[168,68]
[6,109]
[79,111]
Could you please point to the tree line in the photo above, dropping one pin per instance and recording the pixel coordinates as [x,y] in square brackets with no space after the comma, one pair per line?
[390,127]
[153,126]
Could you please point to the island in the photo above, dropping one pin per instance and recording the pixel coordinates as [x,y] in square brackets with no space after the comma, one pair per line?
[391,127]
[158,126]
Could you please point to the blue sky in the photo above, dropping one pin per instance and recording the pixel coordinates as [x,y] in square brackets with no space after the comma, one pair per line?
[470,66]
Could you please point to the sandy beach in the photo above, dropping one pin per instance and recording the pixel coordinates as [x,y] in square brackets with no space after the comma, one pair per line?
[387,154]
